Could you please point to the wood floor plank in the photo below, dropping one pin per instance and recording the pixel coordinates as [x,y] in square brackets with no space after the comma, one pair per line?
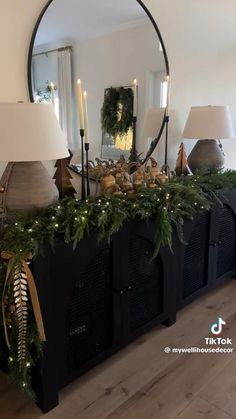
[12,402]
[112,384]
[201,409]
[221,392]
[148,359]
[171,391]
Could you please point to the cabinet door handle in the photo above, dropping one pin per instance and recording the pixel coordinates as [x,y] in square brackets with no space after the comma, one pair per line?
[215,243]
[123,290]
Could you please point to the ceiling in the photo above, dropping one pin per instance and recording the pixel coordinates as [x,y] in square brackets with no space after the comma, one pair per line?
[86,19]
[204,25]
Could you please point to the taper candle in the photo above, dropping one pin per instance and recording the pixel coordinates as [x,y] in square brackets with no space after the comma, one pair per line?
[80,104]
[86,127]
[135,103]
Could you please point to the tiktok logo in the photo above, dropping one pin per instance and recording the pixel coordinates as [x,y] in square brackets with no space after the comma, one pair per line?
[216,328]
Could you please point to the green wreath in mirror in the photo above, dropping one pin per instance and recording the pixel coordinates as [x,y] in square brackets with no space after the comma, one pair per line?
[117,111]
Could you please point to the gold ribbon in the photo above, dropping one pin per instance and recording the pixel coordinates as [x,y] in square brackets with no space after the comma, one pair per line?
[10,258]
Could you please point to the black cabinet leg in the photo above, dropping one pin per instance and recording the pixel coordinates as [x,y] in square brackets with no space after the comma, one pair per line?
[171,320]
[45,383]
[47,398]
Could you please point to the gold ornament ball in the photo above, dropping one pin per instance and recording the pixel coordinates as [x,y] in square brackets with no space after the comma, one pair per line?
[162,178]
[2,189]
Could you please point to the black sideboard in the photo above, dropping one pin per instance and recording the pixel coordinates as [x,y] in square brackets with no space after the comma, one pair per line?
[96,299]
[99,297]
[209,255]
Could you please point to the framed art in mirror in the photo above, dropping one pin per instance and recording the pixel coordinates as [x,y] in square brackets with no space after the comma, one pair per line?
[117,122]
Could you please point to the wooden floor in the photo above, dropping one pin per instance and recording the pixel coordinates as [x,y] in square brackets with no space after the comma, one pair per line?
[143,382]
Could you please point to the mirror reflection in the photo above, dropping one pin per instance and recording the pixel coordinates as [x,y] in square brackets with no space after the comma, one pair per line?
[113,48]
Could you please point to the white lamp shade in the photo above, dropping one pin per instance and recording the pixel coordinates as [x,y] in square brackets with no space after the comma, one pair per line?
[30,132]
[209,123]
[153,120]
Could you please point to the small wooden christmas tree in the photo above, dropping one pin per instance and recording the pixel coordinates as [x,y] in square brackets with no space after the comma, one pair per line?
[62,177]
[181,167]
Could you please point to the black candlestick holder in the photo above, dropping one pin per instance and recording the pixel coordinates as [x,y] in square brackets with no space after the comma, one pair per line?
[86,146]
[167,118]
[83,196]
[165,168]
[133,153]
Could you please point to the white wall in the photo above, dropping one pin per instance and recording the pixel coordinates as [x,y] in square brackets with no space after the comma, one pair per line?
[45,70]
[200,40]
[17,19]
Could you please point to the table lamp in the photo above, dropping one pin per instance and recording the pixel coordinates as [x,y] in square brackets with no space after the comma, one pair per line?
[29,133]
[208,124]
[152,122]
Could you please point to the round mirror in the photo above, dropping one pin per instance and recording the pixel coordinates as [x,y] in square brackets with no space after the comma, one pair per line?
[116,51]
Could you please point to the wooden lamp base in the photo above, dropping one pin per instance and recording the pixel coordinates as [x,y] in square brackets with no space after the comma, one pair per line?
[26,187]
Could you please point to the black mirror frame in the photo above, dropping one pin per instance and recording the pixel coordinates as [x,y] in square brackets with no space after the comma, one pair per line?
[30,53]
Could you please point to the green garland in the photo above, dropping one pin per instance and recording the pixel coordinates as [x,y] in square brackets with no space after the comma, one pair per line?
[169,205]
[117,111]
